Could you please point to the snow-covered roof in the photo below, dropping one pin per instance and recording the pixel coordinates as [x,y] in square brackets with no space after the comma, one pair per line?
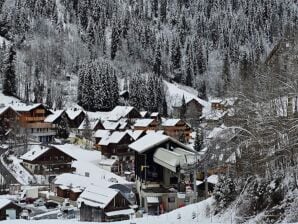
[52,117]
[107,162]
[3,109]
[72,114]
[150,141]
[111,125]
[123,123]
[101,115]
[73,151]
[175,95]
[115,137]
[97,196]
[120,112]
[135,134]
[154,114]
[78,153]
[4,202]
[213,179]
[21,107]
[170,122]
[143,113]
[79,181]
[93,124]
[143,122]
[101,133]
[216,101]
[97,173]
[34,153]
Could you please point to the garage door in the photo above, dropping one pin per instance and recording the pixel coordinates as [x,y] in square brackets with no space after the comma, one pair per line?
[11,214]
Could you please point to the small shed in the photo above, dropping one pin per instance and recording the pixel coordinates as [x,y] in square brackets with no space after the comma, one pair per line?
[9,210]
[99,204]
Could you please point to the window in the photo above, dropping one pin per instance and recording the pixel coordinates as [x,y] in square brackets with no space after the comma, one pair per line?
[171,199]
[186,199]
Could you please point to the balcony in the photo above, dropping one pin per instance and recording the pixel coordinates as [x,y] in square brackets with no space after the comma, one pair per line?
[30,119]
[38,125]
[48,133]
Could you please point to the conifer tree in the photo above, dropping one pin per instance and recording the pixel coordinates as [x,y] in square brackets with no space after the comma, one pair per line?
[183,109]
[198,146]
[163,10]
[226,73]
[157,59]
[87,132]
[9,82]
[202,94]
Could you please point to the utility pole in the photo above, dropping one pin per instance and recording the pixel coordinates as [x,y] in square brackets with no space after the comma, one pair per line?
[205,179]
[195,176]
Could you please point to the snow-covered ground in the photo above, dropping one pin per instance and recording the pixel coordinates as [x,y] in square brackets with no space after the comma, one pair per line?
[196,213]
[17,170]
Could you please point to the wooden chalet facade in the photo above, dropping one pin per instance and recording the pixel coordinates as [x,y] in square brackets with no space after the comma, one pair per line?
[67,192]
[98,204]
[60,122]
[47,161]
[116,146]
[9,210]
[194,111]
[177,129]
[31,120]
[8,121]
[218,105]
[160,184]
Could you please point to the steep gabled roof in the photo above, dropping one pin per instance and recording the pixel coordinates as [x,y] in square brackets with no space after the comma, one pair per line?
[4,109]
[73,114]
[143,122]
[115,137]
[53,117]
[120,112]
[153,140]
[170,122]
[21,107]
[96,196]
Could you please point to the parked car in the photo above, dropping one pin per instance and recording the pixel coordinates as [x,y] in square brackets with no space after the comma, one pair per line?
[24,214]
[51,204]
[27,200]
[39,202]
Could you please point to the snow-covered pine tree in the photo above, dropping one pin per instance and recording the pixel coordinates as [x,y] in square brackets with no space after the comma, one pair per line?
[202,90]
[226,73]
[198,146]
[157,59]
[183,108]
[87,132]
[49,101]
[9,82]
[176,59]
